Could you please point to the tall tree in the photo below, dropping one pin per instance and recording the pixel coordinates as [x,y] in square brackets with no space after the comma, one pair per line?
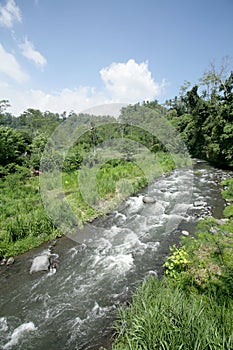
[13,145]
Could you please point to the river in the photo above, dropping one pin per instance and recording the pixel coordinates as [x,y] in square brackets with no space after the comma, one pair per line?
[75,307]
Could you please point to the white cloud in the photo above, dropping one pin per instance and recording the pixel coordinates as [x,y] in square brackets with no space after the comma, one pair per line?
[130,81]
[30,53]
[77,99]
[9,13]
[10,67]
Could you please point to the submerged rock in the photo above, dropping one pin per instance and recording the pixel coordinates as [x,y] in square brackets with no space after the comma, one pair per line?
[199,203]
[53,268]
[152,273]
[148,199]
[40,263]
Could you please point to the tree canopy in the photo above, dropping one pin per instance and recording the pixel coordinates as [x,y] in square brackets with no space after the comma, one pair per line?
[205,118]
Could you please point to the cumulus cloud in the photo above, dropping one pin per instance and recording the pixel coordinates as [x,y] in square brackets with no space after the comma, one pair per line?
[130,81]
[66,99]
[9,13]
[30,53]
[10,67]
[77,99]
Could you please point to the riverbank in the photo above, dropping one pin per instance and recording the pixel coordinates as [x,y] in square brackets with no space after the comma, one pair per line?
[192,306]
[24,220]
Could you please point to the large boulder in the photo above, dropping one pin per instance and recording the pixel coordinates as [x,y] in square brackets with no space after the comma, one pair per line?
[148,199]
[40,263]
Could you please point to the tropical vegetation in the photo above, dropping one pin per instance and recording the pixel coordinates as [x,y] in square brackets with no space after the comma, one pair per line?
[191,307]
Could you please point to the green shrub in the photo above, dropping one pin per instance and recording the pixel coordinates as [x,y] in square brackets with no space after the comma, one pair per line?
[176,262]
[227,193]
[228,211]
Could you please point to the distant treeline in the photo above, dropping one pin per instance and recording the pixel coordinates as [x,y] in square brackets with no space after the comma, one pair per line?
[23,138]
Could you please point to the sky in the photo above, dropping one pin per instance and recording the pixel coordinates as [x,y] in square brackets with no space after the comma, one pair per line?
[60,55]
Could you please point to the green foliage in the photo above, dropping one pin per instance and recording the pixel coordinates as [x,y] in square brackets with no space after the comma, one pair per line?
[17,175]
[91,191]
[227,193]
[205,120]
[228,211]
[4,104]
[22,143]
[210,264]
[176,262]
[165,317]
[74,158]
[36,149]
[34,122]
[13,146]
[24,223]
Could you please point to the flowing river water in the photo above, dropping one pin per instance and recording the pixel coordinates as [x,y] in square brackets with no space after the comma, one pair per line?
[75,307]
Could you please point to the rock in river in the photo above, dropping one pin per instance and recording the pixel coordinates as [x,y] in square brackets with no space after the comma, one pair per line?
[148,199]
[40,263]
[10,261]
[3,261]
[185,233]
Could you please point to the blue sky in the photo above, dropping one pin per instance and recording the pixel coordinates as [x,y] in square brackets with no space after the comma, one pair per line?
[70,55]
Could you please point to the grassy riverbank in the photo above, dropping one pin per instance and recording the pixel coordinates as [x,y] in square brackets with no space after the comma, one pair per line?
[192,306]
[24,221]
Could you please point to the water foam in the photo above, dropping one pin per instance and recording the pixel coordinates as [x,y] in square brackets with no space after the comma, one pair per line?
[119,264]
[3,324]
[19,333]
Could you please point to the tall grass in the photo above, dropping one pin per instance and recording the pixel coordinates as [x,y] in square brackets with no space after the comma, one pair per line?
[23,221]
[161,317]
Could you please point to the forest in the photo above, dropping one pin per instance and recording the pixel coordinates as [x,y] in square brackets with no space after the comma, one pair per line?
[202,116]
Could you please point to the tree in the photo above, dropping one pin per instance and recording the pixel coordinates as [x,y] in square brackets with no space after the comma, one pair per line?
[5,118]
[36,149]
[206,126]
[13,145]
[227,88]
[4,104]
[214,77]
